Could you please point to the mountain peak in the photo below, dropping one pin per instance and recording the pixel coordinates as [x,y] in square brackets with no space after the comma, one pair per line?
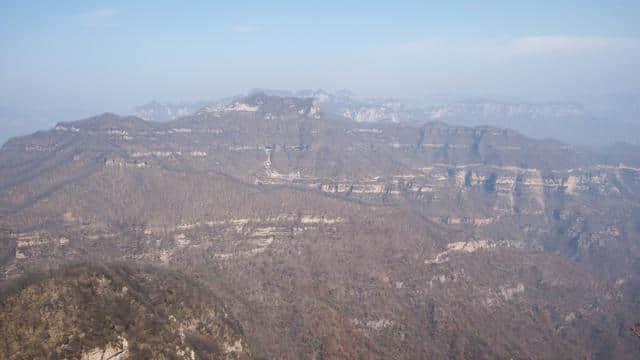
[262,102]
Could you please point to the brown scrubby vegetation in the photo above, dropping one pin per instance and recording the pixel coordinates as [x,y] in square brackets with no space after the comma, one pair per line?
[68,311]
[323,238]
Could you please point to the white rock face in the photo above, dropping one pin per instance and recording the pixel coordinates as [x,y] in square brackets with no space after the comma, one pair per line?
[119,132]
[372,114]
[376,325]
[572,184]
[121,163]
[257,233]
[236,347]
[314,111]
[181,240]
[238,106]
[309,219]
[181,130]
[163,154]
[466,247]
[110,352]
[379,324]
[67,128]
[509,292]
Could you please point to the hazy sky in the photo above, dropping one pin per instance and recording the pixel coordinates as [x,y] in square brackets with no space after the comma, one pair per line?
[112,55]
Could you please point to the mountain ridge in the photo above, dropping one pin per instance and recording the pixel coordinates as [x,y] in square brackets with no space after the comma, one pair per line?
[328,237]
[598,121]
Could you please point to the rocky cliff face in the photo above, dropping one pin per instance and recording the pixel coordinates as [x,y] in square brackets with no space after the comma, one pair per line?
[332,238]
[155,111]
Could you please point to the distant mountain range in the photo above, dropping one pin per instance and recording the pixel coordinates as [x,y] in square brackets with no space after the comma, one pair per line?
[598,120]
[603,121]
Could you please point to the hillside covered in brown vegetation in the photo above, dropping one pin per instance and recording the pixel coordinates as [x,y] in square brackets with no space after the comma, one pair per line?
[115,311]
[322,237]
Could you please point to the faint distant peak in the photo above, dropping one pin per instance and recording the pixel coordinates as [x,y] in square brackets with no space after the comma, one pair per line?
[265,102]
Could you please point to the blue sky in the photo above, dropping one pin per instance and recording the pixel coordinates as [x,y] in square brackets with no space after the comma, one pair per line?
[111,55]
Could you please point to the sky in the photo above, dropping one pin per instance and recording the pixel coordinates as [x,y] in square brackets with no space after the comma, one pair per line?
[112,55]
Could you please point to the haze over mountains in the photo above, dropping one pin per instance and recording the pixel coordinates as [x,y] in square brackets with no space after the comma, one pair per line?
[592,121]
[326,227]
[406,180]
[597,121]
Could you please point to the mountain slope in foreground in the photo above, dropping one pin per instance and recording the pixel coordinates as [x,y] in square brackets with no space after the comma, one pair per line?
[115,311]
